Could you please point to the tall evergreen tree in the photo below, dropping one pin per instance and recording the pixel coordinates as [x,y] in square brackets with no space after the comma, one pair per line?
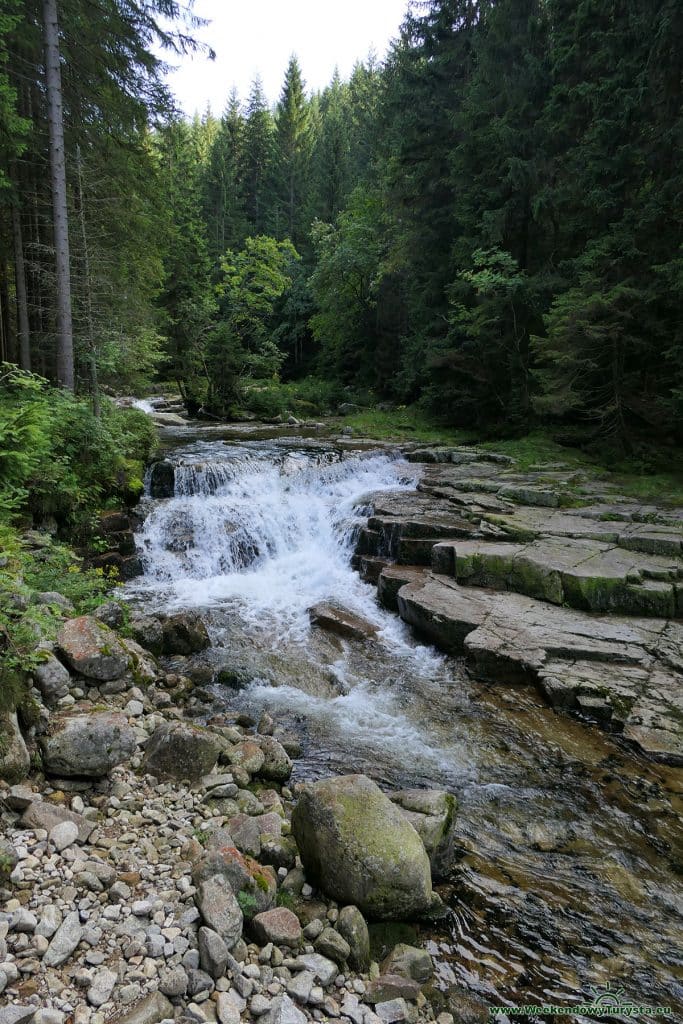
[223,200]
[292,154]
[257,163]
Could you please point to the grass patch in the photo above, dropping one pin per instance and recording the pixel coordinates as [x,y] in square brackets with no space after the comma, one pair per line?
[405,423]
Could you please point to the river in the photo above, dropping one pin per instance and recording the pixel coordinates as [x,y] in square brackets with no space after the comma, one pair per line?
[565,868]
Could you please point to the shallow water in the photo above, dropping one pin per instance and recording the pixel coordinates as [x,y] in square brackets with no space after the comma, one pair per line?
[567,847]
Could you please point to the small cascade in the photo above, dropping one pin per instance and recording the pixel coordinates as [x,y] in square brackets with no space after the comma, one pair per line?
[273,529]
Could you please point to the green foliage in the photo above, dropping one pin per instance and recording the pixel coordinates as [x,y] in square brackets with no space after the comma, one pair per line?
[241,348]
[345,285]
[286,899]
[247,904]
[25,572]
[57,459]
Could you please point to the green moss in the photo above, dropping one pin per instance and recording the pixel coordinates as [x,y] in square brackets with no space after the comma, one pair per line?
[286,899]
[247,904]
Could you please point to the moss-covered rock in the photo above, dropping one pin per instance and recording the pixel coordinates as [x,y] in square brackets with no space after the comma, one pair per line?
[358,848]
[15,762]
[181,751]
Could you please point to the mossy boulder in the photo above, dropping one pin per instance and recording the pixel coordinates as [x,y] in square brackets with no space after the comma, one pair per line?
[15,762]
[358,847]
[87,745]
[181,751]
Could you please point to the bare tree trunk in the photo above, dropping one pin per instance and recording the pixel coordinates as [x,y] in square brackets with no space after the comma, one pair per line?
[53,81]
[92,348]
[22,303]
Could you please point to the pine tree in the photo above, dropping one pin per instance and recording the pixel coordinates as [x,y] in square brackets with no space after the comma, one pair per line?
[257,163]
[223,201]
[292,154]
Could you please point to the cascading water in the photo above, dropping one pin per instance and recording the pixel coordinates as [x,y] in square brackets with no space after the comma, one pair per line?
[565,869]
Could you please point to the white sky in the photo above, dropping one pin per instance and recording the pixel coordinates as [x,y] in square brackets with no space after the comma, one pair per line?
[259,36]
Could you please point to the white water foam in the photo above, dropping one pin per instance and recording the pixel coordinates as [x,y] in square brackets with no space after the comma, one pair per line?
[143,405]
[275,537]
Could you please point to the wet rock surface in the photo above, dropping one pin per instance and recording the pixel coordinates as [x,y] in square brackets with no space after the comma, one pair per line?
[583,601]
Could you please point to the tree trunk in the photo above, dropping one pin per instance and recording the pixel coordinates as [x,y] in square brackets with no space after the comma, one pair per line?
[22,303]
[92,348]
[53,82]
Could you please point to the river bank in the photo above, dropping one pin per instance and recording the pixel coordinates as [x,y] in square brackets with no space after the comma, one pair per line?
[560,828]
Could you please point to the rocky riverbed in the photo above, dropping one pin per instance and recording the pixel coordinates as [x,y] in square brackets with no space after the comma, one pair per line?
[182,837]
[154,871]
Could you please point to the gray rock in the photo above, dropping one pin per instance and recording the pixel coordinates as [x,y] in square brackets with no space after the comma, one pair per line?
[151,1010]
[220,910]
[283,1011]
[64,941]
[50,920]
[393,1010]
[23,920]
[300,986]
[332,945]
[52,679]
[259,1005]
[227,1010]
[87,745]
[149,632]
[357,847]
[111,614]
[323,969]
[352,926]
[277,764]
[392,986]
[16,1014]
[180,751]
[199,981]
[15,762]
[409,962]
[41,814]
[92,649]
[102,987]
[213,953]
[64,834]
[184,633]
[173,982]
[9,859]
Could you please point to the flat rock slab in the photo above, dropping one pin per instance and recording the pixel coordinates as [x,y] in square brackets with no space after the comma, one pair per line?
[341,621]
[594,524]
[585,574]
[513,638]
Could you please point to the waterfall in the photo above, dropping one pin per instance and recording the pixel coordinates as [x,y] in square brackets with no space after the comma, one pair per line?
[268,527]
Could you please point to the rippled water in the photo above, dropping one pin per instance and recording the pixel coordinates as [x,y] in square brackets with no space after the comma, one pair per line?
[564,868]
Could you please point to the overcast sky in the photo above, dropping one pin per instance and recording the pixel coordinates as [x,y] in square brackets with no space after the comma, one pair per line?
[259,36]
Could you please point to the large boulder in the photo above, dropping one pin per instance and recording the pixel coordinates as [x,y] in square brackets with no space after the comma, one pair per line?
[14,757]
[358,847]
[91,648]
[181,751]
[88,745]
[184,633]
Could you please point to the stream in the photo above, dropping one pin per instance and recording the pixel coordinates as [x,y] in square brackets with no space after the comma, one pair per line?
[565,873]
